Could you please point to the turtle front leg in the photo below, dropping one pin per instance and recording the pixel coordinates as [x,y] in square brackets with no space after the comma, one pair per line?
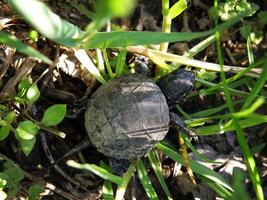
[179,124]
[85,143]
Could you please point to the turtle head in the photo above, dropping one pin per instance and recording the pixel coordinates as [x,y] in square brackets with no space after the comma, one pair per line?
[177,84]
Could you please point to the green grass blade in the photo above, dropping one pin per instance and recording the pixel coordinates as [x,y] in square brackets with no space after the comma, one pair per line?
[108,66]
[63,32]
[246,112]
[250,51]
[248,157]
[42,19]
[100,62]
[212,111]
[237,76]
[258,148]
[250,162]
[241,82]
[196,167]
[193,149]
[221,191]
[119,39]
[178,8]
[86,61]
[13,42]
[126,179]
[239,186]
[121,62]
[209,92]
[147,185]
[99,171]
[154,163]
[252,120]
[107,189]
[258,86]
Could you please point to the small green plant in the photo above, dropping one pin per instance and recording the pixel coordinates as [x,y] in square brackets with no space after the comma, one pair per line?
[27,128]
[10,179]
[233,8]
[33,35]
[17,119]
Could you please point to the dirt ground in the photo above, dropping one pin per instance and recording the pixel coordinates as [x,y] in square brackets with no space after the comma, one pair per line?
[60,85]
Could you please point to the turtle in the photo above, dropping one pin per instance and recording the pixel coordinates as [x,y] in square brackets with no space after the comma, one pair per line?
[126,117]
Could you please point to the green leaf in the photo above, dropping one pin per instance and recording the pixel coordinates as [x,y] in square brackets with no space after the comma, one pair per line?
[262,15]
[54,115]
[3,108]
[245,31]
[178,8]
[13,42]
[27,145]
[33,93]
[27,130]
[35,191]
[206,75]
[33,35]
[14,173]
[4,131]
[42,19]
[10,117]
[258,148]
[240,192]
[23,86]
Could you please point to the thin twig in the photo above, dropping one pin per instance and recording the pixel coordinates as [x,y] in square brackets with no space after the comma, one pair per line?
[10,54]
[57,168]
[10,85]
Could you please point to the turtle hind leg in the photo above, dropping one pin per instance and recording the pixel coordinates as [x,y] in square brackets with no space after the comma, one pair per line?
[119,166]
[179,124]
[85,143]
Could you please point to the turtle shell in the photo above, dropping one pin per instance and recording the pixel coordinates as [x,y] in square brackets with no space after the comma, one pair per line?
[127,116]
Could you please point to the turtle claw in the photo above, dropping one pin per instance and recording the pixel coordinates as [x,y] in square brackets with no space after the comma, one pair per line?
[179,124]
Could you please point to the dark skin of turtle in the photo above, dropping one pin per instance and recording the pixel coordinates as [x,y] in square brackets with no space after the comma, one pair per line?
[128,116]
